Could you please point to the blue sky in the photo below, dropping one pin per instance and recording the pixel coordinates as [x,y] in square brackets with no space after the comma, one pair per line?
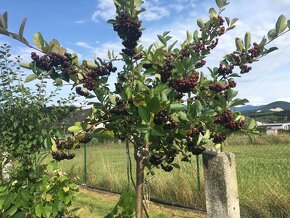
[81,27]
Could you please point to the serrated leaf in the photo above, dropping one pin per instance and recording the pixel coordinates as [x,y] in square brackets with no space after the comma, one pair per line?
[22,26]
[38,210]
[30,77]
[38,40]
[144,113]
[247,40]
[281,24]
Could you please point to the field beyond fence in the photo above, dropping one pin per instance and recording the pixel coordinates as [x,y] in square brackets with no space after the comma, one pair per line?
[263,168]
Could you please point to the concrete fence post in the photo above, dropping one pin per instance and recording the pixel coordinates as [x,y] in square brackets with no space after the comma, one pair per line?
[221,187]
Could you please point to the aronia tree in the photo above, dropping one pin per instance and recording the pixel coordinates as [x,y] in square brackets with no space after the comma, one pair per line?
[163,103]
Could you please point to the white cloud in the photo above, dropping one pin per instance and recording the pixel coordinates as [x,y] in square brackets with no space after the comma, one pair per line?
[102,50]
[105,10]
[81,21]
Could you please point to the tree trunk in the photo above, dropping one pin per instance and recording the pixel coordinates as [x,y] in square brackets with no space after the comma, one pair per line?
[139,187]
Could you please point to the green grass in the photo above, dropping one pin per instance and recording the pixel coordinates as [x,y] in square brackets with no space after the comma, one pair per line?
[96,205]
[263,177]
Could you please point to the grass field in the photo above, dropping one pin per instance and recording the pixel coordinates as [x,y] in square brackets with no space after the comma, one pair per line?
[99,204]
[263,177]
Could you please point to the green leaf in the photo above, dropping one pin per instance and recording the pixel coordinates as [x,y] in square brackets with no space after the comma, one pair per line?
[252,124]
[177,107]
[157,131]
[239,44]
[159,88]
[271,49]
[195,108]
[21,30]
[47,211]
[247,40]
[58,82]
[74,129]
[153,105]
[3,20]
[12,210]
[128,92]
[144,113]
[30,77]
[213,12]
[221,3]
[189,36]
[182,115]
[200,23]
[162,40]
[38,210]
[38,40]
[288,24]
[281,24]
[272,34]
[25,65]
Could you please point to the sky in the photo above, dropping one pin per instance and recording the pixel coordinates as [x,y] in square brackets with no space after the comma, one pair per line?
[81,27]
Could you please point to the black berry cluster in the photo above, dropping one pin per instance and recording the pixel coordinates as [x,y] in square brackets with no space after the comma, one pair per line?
[89,83]
[218,87]
[245,69]
[105,70]
[119,109]
[61,155]
[129,31]
[254,51]
[52,61]
[85,138]
[200,64]
[193,132]
[225,69]
[81,92]
[165,70]
[226,119]
[218,139]
[164,118]
[213,44]
[185,85]
[64,150]
[193,148]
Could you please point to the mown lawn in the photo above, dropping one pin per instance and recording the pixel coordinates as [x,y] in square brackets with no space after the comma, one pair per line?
[263,177]
[97,204]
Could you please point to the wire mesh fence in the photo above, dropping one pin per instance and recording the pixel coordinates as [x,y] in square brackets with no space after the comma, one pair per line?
[263,170]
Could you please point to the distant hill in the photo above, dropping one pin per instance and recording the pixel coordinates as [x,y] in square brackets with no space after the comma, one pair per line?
[248,108]
[264,108]
[277,104]
[278,111]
